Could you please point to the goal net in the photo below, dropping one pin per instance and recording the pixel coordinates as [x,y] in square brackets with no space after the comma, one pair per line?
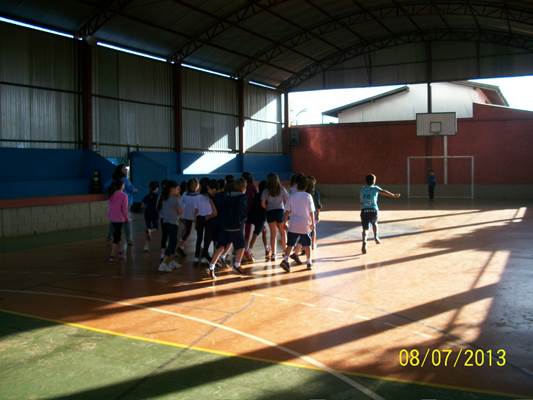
[454,176]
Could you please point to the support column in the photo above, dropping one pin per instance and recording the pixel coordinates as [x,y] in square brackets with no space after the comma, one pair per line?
[240,111]
[178,107]
[85,74]
[429,78]
[285,129]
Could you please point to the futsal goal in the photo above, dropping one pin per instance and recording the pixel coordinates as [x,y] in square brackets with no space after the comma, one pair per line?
[454,176]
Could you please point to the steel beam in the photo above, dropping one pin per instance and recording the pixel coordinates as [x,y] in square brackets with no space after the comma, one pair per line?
[223,24]
[240,108]
[177,107]
[437,8]
[484,36]
[85,74]
[101,17]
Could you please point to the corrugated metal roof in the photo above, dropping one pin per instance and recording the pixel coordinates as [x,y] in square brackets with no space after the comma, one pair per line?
[296,44]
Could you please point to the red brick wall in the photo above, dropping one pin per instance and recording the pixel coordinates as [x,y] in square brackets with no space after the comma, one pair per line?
[500,139]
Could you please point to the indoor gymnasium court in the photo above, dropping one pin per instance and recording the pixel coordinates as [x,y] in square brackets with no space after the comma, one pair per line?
[199,92]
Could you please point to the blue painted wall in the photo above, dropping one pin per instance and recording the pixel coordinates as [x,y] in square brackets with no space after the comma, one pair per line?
[156,166]
[48,172]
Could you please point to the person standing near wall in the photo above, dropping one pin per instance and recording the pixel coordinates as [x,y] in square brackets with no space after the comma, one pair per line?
[121,174]
[432,182]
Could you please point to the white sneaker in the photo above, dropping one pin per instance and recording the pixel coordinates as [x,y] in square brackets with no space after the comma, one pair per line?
[196,260]
[204,260]
[146,248]
[174,264]
[164,267]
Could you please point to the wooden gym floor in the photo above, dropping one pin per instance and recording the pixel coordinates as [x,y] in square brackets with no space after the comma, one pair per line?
[451,275]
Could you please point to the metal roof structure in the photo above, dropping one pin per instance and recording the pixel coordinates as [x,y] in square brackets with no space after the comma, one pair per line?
[309,44]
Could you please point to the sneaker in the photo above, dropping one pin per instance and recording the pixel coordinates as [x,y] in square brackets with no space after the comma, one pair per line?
[285,265]
[309,266]
[111,260]
[205,260]
[273,257]
[196,260]
[246,259]
[164,267]
[212,272]
[378,240]
[181,252]
[237,270]
[267,254]
[296,258]
[174,264]
[146,248]
[363,248]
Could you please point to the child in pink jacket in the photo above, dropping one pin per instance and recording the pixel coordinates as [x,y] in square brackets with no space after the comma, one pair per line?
[117,213]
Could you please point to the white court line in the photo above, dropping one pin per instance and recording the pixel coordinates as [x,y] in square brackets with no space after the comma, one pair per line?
[259,295]
[282,299]
[334,310]
[310,360]
[308,304]
[362,317]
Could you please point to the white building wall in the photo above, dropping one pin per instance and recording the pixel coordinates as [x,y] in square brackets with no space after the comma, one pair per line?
[447,97]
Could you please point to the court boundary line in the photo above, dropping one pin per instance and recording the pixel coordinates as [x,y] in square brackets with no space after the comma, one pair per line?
[308,359]
[258,359]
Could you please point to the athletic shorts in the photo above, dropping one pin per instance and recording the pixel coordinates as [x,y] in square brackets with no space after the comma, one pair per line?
[151,222]
[235,237]
[259,224]
[303,238]
[275,216]
[368,216]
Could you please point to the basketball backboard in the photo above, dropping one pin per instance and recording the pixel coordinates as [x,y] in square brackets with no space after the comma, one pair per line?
[436,124]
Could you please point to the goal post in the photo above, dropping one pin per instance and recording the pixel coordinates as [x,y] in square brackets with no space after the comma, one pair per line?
[456,175]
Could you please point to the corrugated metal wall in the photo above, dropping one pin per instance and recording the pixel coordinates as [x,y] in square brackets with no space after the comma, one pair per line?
[132,103]
[39,99]
[262,127]
[210,119]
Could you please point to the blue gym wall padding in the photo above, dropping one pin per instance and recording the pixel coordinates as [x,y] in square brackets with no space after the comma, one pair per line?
[48,172]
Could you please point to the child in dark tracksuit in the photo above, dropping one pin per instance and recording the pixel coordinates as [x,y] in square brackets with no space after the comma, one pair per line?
[432,182]
[232,217]
[257,217]
[151,214]
[212,225]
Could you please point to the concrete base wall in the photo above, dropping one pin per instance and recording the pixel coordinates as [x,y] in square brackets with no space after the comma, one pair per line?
[481,192]
[41,219]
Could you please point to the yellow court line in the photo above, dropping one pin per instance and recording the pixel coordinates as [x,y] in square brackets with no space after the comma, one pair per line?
[308,359]
[263,360]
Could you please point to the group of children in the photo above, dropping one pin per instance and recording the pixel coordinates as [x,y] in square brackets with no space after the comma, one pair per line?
[230,214]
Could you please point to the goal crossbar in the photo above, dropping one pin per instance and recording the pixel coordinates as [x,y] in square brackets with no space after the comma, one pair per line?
[445,158]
